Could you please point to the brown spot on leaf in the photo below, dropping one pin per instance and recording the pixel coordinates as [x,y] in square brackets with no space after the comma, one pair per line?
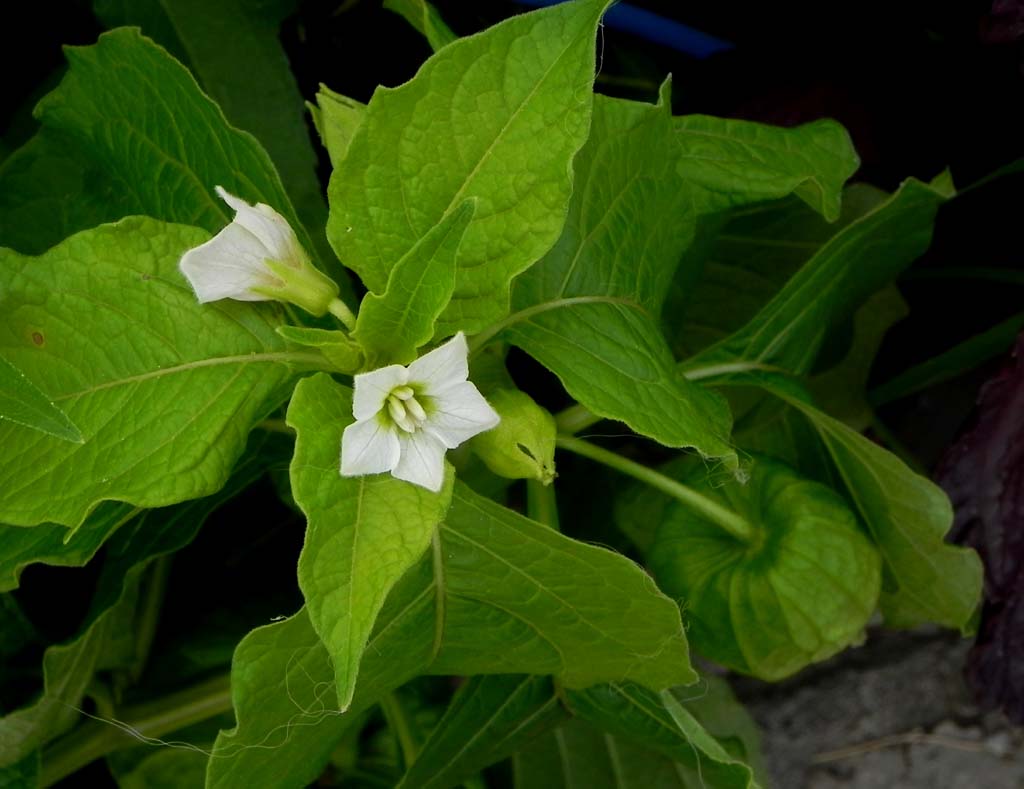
[38,339]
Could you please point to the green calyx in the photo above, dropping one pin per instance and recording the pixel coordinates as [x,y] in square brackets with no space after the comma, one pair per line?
[300,283]
[522,446]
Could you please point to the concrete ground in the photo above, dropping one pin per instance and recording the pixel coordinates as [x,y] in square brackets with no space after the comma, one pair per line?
[893,713]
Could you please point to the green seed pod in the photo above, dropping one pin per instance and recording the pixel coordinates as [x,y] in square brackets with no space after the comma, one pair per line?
[522,446]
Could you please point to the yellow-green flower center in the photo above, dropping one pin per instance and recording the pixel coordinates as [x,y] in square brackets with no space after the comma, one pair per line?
[405,410]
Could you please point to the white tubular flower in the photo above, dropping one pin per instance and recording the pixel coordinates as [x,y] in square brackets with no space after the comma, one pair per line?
[408,417]
[256,258]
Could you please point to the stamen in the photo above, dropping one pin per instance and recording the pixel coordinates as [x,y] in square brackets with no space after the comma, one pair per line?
[415,409]
[403,392]
[396,409]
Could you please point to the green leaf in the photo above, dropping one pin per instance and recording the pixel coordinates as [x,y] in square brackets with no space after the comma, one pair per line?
[925,579]
[45,543]
[170,768]
[393,325]
[17,628]
[156,137]
[337,347]
[742,258]
[840,390]
[578,755]
[425,18]
[362,533]
[800,594]
[657,721]
[589,310]
[336,118]
[717,709]
[497,594]
[742,162]
[858,261]
[552,605]
[21,402]
[49,191]
[490,718]
[234,49]
[107,639]
[163,389]
[285,739]
[67,670]
[514,98]
[23,775]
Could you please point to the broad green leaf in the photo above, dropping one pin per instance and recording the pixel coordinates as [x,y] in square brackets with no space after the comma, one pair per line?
[391,326]
[658,721]
[740,161]
[578,755]
[23,775]
[337,347]
[22,402]
[47,543]
[284,739]
[107,639]
[362,533]
[497,594]
[336,118]
[49,191]
[742,258]
[802,591]
[156,137]
[551,605]
[235,51]
[841,389]
[490,718]
[589,310]
[925,579]
[425,18]
[167,768]
[712,702]
[514,98]
[858,261]
[166,399]
[67,671]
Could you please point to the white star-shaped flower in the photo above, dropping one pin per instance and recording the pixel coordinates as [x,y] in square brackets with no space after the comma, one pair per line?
[257,257]
[408,417]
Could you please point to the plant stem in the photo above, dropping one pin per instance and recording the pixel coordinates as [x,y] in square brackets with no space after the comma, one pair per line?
[541,505]
[275,426]
[148,721]
[398,722]
[150,602]
[574,419]
[721,516]
[340,310]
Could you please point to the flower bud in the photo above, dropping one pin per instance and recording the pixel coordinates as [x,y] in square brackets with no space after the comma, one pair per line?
[522,446]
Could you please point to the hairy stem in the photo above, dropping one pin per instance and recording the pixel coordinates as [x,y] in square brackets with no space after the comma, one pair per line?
[398,722]
[541,505]
[721,516]
[340,310]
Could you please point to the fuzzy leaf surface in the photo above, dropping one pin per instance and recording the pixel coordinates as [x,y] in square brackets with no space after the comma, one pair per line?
[164,402]
[514,98]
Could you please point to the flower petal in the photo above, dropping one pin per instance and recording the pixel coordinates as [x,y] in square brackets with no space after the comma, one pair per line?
[459,413]
[422,460]
[371,389]
[368,447]
[227,266]
[443,367]
[266,224]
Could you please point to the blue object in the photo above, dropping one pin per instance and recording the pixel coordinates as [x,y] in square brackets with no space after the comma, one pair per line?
[656,29]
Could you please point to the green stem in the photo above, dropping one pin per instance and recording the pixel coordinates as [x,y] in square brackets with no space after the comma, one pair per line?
[398,722]
[541,505]
[340,310]
[148,721]
[721,516]
[574,419]
[275,426]
[152,600]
